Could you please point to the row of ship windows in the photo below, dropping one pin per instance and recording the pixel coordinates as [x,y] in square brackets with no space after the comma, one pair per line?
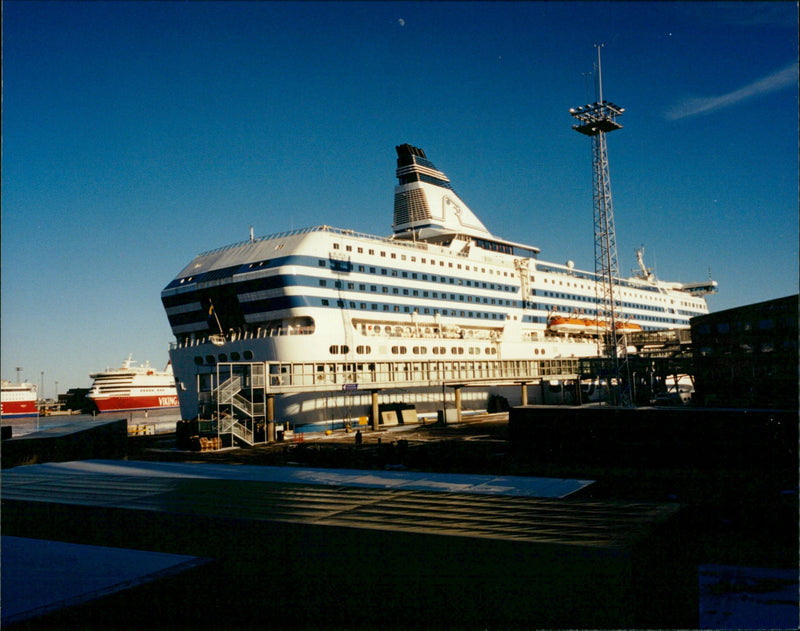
[468,298]
[499,287]
[343,349]
[626,305]
[347,266]
[423,350]
[634,293]
[223,357]
[425,310]
[341,304]
[423,260]
[432,278]
[134,390]
[483,270]
[416,292]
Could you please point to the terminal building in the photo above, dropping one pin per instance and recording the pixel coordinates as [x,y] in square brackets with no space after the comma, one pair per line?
[746,357]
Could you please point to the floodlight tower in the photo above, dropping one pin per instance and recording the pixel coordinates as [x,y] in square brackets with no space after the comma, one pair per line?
[596,120]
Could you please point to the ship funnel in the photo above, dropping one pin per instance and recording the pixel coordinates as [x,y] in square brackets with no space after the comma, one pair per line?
[425,204]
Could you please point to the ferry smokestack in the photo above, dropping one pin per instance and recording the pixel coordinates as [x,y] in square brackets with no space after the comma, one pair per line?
[251,234]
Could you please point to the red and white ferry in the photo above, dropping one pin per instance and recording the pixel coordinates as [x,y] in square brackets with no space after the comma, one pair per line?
[133,387]
[18,399]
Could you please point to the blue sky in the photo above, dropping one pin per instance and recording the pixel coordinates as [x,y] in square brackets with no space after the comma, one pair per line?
[138,134]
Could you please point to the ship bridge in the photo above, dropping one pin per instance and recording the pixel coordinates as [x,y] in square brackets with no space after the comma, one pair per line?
[701,288]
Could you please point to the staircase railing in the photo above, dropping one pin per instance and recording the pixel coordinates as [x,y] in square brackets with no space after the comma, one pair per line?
[228,389]
[231,425]
[243,404]
[242,432]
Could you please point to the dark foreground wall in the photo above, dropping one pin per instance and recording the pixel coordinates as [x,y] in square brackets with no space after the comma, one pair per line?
[297,556]
[657,437]
[93,439]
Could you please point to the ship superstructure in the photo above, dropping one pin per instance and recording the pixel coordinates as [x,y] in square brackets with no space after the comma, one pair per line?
[18,399]
[133,386]
[441,287]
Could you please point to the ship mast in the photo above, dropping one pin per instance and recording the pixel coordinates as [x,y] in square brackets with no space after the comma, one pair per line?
[596,120]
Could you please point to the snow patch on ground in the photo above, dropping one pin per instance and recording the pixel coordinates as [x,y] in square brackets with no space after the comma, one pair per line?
[735,597]
[41,576]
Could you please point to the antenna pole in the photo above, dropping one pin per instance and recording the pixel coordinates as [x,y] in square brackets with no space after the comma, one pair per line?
[599,74]
[596,120]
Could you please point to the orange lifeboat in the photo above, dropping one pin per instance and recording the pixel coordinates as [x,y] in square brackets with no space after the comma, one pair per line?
[564,324]
[627,327]
[576,323]
[594,325]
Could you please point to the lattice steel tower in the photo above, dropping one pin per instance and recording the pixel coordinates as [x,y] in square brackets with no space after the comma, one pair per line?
[596,120]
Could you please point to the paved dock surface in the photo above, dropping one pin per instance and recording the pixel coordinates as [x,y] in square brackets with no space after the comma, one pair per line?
[498,556]
[739,528]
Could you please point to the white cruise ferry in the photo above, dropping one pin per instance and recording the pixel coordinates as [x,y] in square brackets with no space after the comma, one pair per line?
[133,387]
[442,287]
[18,399]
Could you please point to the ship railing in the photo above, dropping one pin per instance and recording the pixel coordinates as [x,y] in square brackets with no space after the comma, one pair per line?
[191,341]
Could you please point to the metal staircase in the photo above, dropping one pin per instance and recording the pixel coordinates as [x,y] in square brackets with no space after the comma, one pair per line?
[228,393]
[231,425]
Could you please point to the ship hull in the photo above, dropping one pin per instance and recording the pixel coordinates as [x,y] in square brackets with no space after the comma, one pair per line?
[129,404]
[19,409]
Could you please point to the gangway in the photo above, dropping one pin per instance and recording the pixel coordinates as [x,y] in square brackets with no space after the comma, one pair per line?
[244,398]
